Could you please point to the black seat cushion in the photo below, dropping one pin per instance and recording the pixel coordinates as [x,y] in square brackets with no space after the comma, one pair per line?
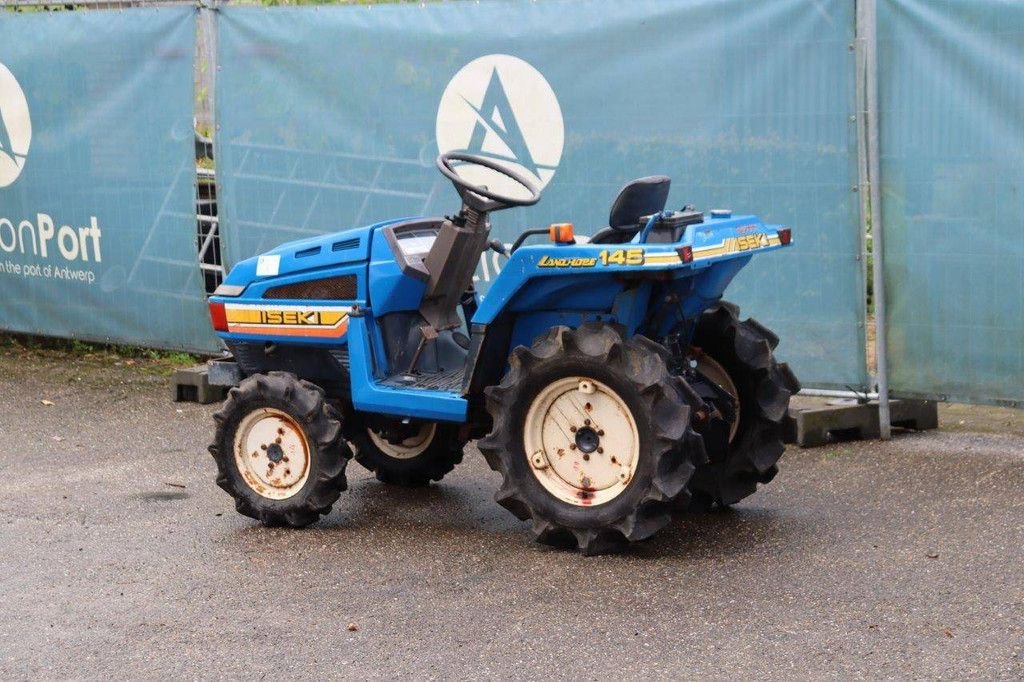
[638,198]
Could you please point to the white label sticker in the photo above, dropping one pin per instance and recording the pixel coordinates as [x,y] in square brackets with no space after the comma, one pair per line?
[267,266]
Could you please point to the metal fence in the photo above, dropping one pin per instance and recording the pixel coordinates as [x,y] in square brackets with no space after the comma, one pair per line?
[208,237]
[754,115]
[911,130]
[98,177]
[952,205]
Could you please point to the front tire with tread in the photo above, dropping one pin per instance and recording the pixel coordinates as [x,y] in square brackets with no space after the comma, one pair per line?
[304,403]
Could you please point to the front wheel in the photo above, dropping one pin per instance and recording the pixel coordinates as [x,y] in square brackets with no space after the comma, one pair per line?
[279,451]
[592,438]
[406,454]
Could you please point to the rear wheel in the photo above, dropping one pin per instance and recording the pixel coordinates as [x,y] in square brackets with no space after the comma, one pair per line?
[735,358]
[406,454]
[591,437]
[278,450]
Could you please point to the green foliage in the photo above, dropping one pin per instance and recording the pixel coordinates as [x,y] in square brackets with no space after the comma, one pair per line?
[106,351]
[289,3]
[61,7]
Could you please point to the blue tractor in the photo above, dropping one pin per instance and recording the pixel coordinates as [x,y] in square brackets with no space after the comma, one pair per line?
[605,379]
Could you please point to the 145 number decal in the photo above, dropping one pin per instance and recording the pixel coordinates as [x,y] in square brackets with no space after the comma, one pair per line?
[622,257]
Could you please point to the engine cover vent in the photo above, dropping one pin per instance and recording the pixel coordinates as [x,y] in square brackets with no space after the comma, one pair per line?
[331,288]
[345,244]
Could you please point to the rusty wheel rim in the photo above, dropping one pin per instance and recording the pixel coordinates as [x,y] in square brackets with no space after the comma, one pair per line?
[272,453]
[410,447]
[582,441]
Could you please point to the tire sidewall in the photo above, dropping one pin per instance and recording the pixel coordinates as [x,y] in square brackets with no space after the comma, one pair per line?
[751,418]
[720,345]
[244,406]
[373,458]
[563,513]
[735,471]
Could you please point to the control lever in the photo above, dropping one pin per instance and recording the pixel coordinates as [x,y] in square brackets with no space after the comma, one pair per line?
[496,246]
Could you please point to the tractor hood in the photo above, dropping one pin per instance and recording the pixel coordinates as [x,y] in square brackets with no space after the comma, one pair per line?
[303,255]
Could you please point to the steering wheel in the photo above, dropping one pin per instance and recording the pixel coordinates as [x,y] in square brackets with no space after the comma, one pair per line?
[478,197]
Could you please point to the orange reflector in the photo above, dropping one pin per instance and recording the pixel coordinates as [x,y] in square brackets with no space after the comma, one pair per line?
[785,236]
[219,317]
[685,253]
[562,233]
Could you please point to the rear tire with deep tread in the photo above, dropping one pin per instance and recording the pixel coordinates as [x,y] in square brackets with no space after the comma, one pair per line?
[745,350]
[321,425]
[669,451]
[438,459]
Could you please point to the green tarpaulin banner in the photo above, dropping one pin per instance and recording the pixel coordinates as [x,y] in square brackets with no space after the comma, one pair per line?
[952,160]
[331,117]
[97,177]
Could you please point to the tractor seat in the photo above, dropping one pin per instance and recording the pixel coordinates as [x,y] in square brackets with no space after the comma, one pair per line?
[639,198]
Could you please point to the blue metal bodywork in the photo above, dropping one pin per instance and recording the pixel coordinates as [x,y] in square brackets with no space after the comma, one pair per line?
[646,288]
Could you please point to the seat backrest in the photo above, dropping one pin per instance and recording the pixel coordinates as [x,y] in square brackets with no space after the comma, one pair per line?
[638,198]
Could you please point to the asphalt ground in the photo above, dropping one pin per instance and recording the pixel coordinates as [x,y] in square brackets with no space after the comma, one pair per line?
[120,558]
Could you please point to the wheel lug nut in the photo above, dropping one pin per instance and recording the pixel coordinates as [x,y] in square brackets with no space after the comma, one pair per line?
[573,429]
[600,432]
[263,447]
[600,450]
[586,458]
[586,422]
[572,446]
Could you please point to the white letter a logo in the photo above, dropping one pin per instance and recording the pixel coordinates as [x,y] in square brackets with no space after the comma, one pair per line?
[501,107]
[15,128]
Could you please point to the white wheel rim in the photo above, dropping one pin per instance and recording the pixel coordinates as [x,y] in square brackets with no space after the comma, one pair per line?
[711,370]
[582,442]
[271,453]
[408,448]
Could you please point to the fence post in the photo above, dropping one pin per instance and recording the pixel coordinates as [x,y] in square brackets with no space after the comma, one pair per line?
[207,46]
[870,175]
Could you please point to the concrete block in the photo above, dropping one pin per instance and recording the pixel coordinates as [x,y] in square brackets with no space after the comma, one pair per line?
[225,373]
[849,420]
[192,384]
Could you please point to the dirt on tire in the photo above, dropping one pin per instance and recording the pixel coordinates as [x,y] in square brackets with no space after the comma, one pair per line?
[670,452]
[328,453]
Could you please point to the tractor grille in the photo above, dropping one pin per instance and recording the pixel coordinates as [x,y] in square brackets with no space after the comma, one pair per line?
[331,288]
[340,356]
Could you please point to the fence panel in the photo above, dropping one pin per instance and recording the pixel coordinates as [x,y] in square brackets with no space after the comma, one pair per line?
[97,177]
[952,162]
[331,117]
